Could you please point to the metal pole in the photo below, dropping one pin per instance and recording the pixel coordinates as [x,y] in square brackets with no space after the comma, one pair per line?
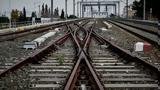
[80,9]
[10,23]
[158,41]
[77,10]
[126,8]
[119,9]
[107,10]
[115,7]
[39,11]
[74,7]
[98,7]
[51,10]
[66,8]
[144,9]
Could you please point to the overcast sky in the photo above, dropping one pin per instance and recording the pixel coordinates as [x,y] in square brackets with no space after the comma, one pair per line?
[32,5]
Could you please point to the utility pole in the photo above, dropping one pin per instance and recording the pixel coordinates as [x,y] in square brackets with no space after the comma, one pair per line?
[77,9]
[39,11]
[10,23]
[126,8]
[66,8]
[119,8]
[144,9]
[51,10]
[74,7]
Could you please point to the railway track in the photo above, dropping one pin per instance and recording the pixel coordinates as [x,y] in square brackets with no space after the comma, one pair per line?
[83,60]
[148,33]
[52,72]
[117,73]
[21,33]
[13,52]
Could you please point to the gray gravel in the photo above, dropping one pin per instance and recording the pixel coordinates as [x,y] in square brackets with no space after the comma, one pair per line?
[127,41]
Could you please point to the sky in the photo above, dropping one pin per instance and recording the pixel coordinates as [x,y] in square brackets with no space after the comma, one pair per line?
[32,5]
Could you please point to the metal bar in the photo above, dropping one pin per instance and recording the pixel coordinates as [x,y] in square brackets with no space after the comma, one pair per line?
[144,9]
[129,56]
[66,9]
[126,8]
[82,55]
[100,86]
[119,9]
[72,76]
[51,10]
[37,55]
[74,7]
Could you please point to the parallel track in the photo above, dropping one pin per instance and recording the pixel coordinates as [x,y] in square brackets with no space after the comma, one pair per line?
[88,62]
[148,34]
[21,33]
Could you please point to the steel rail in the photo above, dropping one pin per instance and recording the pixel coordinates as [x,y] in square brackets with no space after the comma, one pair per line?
[155,42]
[82,29]
[140,28]
[128,55]
[82,56]
[38,55]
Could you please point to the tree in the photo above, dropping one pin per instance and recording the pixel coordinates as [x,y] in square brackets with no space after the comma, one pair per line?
[46,11]
[42,12]
[49,12]
[33,14]
[21,16]
[4,19]
[138,6]
[56,12]
[62,14]
[24,14]
[15,15]
[150,4]
[72,17]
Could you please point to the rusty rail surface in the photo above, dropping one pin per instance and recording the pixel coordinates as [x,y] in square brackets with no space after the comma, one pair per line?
[82,56]
[128,55]
[155,42]
[38,55]
[141,28]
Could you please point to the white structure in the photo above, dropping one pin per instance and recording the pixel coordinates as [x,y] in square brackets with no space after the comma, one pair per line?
[38,41]
[138,46]
[41,39]
[108,25]
[45,20]
[83,87]
[142,46]
[30,45]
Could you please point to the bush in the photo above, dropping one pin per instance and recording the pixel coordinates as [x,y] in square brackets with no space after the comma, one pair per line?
[4,20]
[72,17]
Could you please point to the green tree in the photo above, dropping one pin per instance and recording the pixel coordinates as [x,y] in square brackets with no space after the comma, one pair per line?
[46,11]
[150,4]
[49,12]
[33,14]
[62,14]
[24,14]
[138,6]
[15,15]
[42,12]
[21,16]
